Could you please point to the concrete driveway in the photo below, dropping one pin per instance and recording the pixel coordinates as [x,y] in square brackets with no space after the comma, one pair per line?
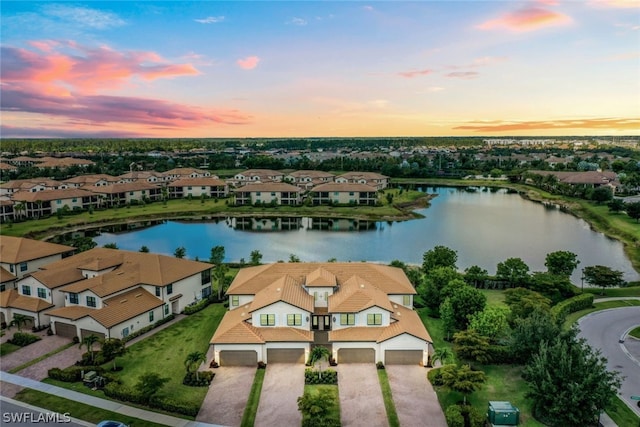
[361,403]
[227,396]
[416,402]
[283,384]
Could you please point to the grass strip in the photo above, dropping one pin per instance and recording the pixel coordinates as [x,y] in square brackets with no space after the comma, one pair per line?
[631,291]
[78,410]
[621,414]
[6,348]
[40,358]
[250,411]
[389,405]
[635,332]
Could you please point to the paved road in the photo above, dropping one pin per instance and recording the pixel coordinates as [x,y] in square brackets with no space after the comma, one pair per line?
[18,414]
[602,330]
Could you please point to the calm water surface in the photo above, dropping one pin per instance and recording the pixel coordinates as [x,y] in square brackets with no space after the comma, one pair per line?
[484,227]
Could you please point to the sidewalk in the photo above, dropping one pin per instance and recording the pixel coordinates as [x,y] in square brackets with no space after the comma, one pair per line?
[109,405]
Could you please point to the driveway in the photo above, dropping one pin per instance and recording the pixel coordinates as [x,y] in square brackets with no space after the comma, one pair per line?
[283,384]
[416,401]
[227,396]
[361,403]
[32,351]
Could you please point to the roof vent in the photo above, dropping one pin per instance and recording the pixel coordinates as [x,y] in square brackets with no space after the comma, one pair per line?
[278,290]
[123,301]
[398,313]
[138,295]
[362,285]
[395,305]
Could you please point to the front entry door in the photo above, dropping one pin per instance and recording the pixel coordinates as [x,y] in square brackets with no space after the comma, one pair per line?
[320,322]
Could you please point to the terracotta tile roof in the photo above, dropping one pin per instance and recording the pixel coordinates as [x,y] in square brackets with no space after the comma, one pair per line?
[5,276]
[185,171]
[102,263]
[407,322]
[342,187]
[5,166]
[311,174]
[14,250]
[203,181]
[269,186]
[90,179]
[53,279]
[123,188]
[234,329]
[125,306]
[363,175]
[284,334]
[28,183]
[11,298]
[321,277]
[106,284]
[285,289]
[357,333]
[355,295]
[73,312]
[260,172]
[142,175]
[390,280]
[48,195]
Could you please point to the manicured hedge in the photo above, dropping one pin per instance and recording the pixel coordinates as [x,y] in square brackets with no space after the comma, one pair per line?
[22,339]
[147,328]
[435,376]
[200,305]
[571,305]
[202,380]
[72,373]
[328,376]
[128,394]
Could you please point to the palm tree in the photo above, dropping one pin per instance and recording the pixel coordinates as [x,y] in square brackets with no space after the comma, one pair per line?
[194,359]
[442,355]
[112,348]
[89,341]
[19,208]
[317,354]
[19,320]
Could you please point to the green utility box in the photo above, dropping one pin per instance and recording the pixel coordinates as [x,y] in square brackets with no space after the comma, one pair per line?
[503,414]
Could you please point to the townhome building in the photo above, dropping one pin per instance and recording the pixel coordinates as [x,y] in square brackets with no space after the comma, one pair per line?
[380,182]
[152,177]
[344,194]
[44,203]
[196,187]
[127,193]
[93,180]
[257,176]
[307,179]
[362,312]
[28,185]
[181,173]
[278,193]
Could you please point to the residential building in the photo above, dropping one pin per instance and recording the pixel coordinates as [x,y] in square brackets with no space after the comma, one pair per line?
[257,176]
[372,179]
[141,176]
[361,312]
[181,173]
[20,256]
[344,194]
[94,180]
[196,187]
[128,193]
[278,193]
[44,203]
[307,179]
[28,185]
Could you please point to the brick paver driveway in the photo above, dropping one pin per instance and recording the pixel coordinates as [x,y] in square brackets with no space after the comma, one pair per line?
[416,402]
[283,384]
[32,351]
[361,401]
[227,395]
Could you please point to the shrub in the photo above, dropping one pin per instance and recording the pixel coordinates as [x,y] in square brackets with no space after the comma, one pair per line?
[72,373]
[380,365]
[454,417]
[190,309]
[500,354]
[203,379]
[328,376]
[128,394]
[261,365]
[435,377]
[571,305]
[22,339]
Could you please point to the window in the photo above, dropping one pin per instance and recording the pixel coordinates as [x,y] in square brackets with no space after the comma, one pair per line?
[206,292]
[294,319]
[257,193]
[91,301]
[335,193]
[205,277]
[374,319]
[170,289]
[58,202]
[267,320]
[131,193]
[347,319]
[189,188]
[406,300]
[73,298]
[158,291]
[166,309]
[235,300]
[26,290]
[326,296]
[315,296]
[74,200]
[23,266]
[3,288]
[11,267]
[351,193]
[273,193]
[151,316]
[42,293]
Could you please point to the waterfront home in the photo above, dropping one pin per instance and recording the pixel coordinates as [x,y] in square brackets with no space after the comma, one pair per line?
[372,179]
[344,194]
[362,312]
[110,293]
[257,176]
[180,173]
[45,203]
[141,176]
[31,185]
[93,180]
[196,187]
[307,179]
[277,193]
[127,193]
[20,256]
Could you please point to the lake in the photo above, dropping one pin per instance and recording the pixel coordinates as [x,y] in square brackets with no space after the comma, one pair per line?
[484,227]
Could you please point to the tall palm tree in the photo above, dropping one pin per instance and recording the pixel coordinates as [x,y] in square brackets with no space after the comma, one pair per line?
[19,320]
[194,359]
[317,355]
[442,355]
[89,341]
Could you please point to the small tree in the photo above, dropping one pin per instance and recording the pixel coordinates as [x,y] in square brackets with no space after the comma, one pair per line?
[448,317]
[442,355]
[633,210]
[19,320]
[492,322]
[315,407]
[472,346]
[318,354]
[475,275]
[150,384]
[514,271]
[602,276]
[462,379]
[256,257]
[113,348]
[616,205]
[217,255]
[110,246]
[193,361]
[439,256]
[89,342]
[561,263]
[180,252]
[144,249]
[294,258]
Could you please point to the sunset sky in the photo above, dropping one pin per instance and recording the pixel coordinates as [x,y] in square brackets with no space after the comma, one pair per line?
[306,68]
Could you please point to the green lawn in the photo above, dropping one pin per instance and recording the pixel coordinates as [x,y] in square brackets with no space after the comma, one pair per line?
[250,411]
[635,332]
[631,291]
[6,348]
[78,410]
[621,414]
[573,317]
[165,353]
[495,297]
[334,411]
[389,405]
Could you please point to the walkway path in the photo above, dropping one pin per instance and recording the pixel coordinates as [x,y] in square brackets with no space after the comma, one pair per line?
[109,405]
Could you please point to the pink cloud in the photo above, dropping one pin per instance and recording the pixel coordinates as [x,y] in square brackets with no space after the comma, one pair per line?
[526,19]
[463,75]
[415,73]
[67,66]
[248,63]
[614,123]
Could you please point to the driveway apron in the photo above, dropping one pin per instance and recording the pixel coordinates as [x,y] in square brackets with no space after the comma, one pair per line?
[283,384]
[227,396]
[416,402]
[361,403]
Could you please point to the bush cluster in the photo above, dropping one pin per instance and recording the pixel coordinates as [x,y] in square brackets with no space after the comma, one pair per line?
[577,303]
[316,377]
[72,373]
[500,354]
[435,377]
[203,303]
[98,359]
[147,328]
[128,394]
[380,365]
[22,339]
[464,415]
[202,380]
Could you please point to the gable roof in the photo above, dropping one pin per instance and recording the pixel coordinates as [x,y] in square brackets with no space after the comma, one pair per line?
[342,187]
[355,295]
[321,277]
[14,250]
[13,299]
[269,186]
[285,289]
[49,195]
[201,181]
[5,276]
[53,279]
